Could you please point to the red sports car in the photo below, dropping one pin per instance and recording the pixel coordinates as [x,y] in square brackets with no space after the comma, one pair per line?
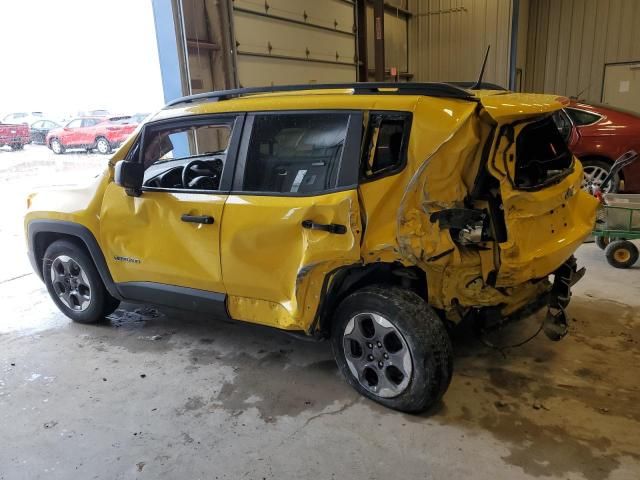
[598,135]
[103,134]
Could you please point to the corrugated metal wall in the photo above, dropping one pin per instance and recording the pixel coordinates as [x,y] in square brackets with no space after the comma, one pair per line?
[294,41]
[569,41]
[396,48]
[449,39]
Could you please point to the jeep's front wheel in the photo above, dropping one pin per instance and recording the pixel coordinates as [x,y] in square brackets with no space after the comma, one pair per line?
[392,348]
[75,284]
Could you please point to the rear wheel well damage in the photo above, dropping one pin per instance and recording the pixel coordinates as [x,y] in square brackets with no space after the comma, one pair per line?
[346,280]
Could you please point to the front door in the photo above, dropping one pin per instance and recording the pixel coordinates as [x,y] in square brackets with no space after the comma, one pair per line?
[167,240]
[70,137]
[293,216]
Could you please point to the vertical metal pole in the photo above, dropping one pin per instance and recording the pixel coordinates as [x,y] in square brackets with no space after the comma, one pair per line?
[513,54]
[361,41]
[378,28]
[170,48]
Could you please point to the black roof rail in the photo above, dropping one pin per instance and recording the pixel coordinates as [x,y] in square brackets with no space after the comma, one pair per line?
[430,89]
[481,86]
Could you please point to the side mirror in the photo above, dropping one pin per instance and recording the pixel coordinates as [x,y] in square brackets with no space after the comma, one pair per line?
[129,175]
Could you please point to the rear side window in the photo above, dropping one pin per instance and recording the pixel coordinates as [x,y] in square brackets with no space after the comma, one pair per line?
[542,155]
[386,143]
[581,117]
[89,122]
[563,124]
[295,153]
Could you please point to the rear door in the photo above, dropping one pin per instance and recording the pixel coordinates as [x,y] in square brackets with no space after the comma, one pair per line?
[293,215]
[87,132]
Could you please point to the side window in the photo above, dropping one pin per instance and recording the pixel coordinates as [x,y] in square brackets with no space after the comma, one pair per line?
[386,144]
[201,149]
[89,122]
[38,124]
[74,123]
[580,117]
[295,153]
[561,119]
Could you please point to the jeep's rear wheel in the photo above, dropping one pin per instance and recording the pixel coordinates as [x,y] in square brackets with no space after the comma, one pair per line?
[75,284]
[392,348]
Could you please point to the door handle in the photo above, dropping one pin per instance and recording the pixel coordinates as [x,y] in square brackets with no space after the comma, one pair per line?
[197,219]
[327,227]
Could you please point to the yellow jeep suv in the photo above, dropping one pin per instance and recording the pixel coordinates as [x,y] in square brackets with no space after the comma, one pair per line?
[376,215]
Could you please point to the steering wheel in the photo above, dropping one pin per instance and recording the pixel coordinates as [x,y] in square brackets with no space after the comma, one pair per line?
[189,180]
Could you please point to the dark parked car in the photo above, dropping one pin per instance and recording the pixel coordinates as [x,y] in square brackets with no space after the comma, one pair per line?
[598,135]
[40,129]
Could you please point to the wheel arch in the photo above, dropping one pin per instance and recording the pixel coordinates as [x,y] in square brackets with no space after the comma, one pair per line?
[42,233]
[342,282]
[51,139]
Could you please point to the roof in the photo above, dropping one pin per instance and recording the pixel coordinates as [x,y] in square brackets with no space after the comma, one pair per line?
[501,104]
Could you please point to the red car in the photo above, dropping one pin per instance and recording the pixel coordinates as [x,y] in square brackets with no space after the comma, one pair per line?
[103,134]
[598,135]
[16,136]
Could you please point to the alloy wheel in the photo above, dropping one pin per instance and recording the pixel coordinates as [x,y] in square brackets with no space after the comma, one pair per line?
[103,146]
[377,354]
[593,178]
[70,283]
[56,146]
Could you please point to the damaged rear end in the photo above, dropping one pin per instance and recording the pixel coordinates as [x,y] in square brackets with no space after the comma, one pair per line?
[490,224]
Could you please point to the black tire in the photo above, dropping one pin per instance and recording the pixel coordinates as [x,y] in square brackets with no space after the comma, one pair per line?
[16,146]
[602,242]
[425,338]
[621,254]
[100,303]
[103,146]
[59,149]
[595,163]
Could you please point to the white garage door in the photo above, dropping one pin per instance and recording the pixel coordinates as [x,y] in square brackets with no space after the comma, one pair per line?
[294,41]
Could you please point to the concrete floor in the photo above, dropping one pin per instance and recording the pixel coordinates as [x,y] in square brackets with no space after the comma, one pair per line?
[164,394]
